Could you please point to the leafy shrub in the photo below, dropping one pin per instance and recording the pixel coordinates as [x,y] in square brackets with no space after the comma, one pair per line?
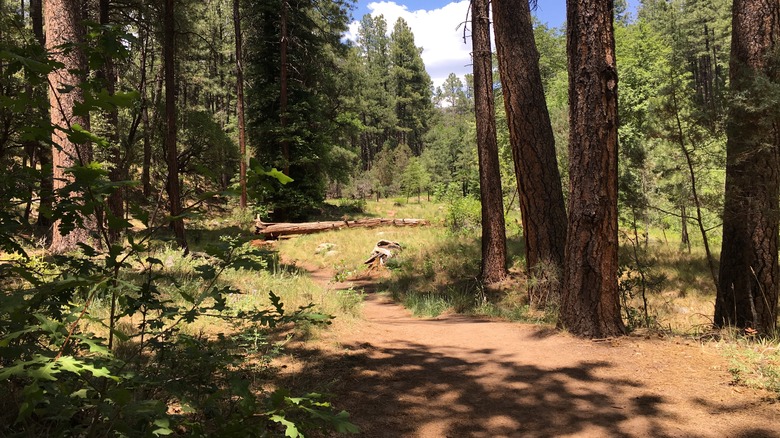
[96,342]
[68,380]
[464,215]
[352,205]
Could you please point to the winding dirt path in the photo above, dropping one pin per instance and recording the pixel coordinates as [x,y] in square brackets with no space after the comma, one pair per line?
[456,376]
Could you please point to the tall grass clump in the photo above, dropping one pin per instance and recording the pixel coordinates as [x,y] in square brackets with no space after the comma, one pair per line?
[754,362]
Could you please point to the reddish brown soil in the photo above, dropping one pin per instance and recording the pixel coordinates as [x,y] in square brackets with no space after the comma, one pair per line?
[456,376]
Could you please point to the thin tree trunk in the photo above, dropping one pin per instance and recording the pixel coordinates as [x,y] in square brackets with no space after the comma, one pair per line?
[283,92]
[240,102]
[63,25]
[493,227]
[173,186]
[694,192]
[590,303]
[533,146]
[684,237]
[151,125]
[117,173]
[749,273]
[44,152]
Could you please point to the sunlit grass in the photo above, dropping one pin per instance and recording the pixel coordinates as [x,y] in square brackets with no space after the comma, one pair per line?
[753,362]
[680,290]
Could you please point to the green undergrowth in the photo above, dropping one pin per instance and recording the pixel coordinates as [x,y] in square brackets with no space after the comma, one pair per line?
[137,339]
[754,362]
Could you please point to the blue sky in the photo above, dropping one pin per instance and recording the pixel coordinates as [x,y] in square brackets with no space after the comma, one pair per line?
[437,28]
[552,12]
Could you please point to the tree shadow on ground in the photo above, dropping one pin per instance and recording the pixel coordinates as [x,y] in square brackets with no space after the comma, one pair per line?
[408,389]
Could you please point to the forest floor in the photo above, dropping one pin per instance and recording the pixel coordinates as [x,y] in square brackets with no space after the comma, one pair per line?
[458,376]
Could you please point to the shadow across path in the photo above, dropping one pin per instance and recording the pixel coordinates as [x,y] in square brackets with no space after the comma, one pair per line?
[409,390]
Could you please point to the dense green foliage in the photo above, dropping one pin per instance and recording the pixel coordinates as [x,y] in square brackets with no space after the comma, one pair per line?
[104,340]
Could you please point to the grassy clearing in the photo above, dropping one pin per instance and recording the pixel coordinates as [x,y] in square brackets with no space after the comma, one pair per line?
[437,273]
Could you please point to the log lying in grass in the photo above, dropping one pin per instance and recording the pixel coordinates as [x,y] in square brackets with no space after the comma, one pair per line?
[274,230]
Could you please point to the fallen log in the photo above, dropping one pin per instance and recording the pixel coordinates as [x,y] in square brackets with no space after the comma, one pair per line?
[273,230]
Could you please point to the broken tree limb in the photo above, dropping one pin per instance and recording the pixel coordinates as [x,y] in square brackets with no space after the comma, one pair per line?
[274,230]
[382,251]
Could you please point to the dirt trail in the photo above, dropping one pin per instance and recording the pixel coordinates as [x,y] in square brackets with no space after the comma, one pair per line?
[456,376]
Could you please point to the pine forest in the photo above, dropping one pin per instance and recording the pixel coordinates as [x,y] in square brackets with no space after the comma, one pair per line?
[190,190]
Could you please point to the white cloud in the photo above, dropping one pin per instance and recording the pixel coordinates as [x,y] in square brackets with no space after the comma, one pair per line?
[439,32]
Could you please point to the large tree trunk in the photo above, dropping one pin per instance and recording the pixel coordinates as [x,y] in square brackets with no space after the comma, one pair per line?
[173,186]
[748,280]
[493,227]
[590,303]
[533,144]
[63,25]
[240,101]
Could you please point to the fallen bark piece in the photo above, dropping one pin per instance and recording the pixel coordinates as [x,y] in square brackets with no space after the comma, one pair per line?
[274,230]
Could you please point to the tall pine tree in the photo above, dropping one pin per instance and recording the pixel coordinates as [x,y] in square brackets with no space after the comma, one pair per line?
[412,86]
[292,117]
[749,272]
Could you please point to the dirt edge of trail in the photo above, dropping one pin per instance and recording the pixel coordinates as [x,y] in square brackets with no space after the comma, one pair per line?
[458,376]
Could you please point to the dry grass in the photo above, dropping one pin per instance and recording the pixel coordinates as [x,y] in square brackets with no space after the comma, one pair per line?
[680,291]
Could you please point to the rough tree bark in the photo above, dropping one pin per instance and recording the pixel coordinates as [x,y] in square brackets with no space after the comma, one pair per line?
[493,227]
[533,143]
[590,304]
[173,186]
[63,25]
[748,280]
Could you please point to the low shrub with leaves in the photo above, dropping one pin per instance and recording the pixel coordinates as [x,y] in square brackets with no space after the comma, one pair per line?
[100,341]
[150,377]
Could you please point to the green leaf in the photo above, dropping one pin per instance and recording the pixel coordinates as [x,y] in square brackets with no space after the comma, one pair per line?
[120,396]
[87,249]
[79,135]
[15,370]
[206,272]
[81,393]
[46,372]
[88,174]
[30,64]
[94,344]
[342,423]
[163,427]
[70,363]
[290,429]
[279,175]
[118,223]
[6,340]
